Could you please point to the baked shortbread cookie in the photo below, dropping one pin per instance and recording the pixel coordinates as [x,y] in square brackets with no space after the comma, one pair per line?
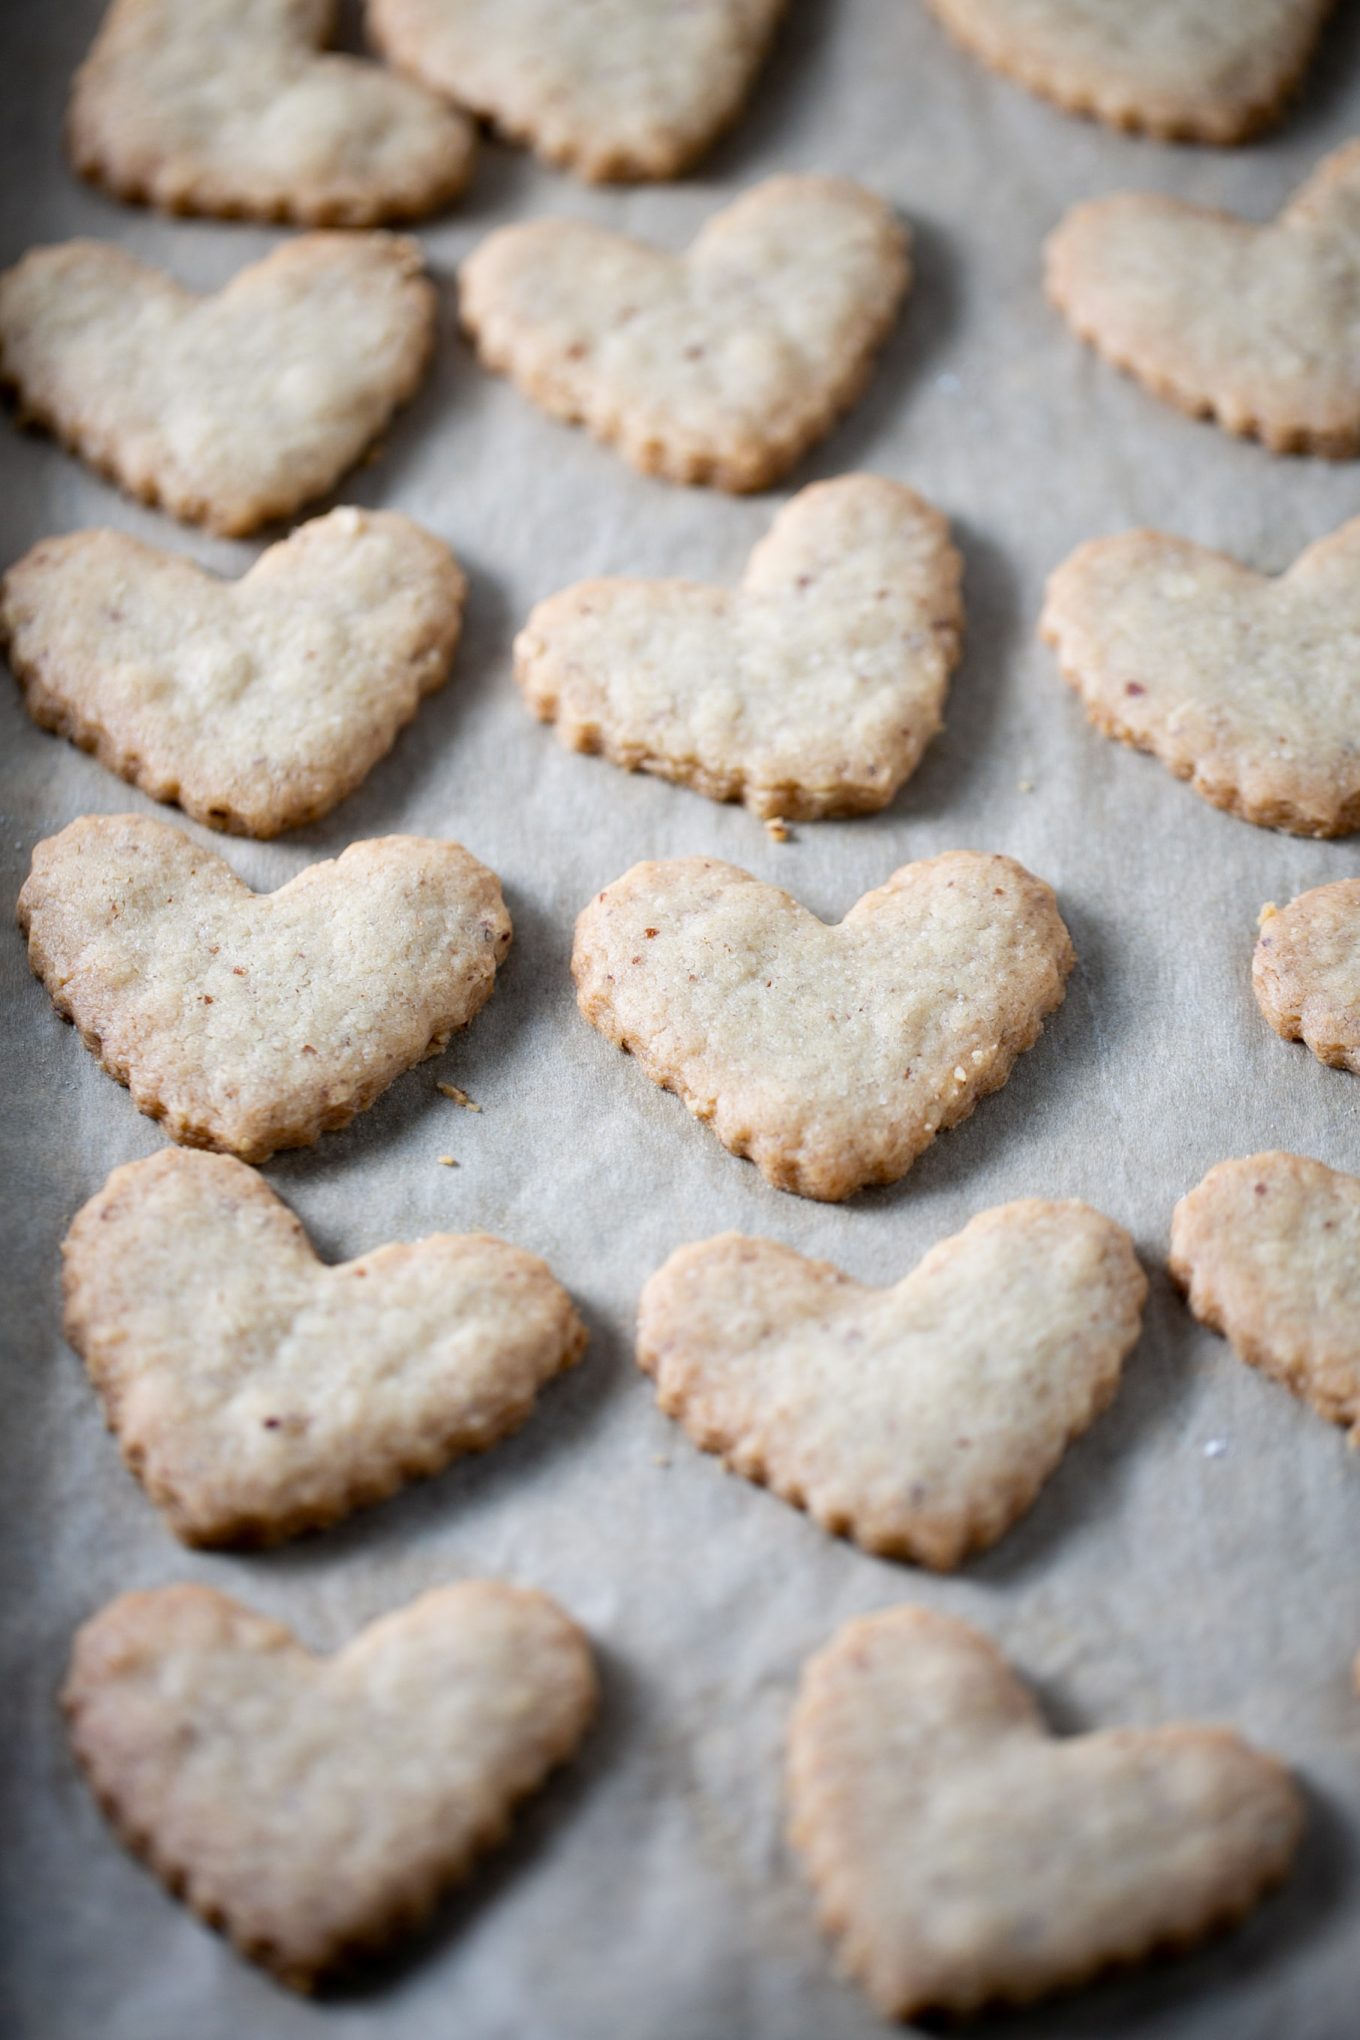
[229,107]
[961,1854]
[1305,971]
[1245,684]
[252,1022]
[920,1420]
[226,410]
[256,704]
[256,1393]
[612,89]
[1250,325]
[1183,70]
[315,1809]
[812,689]
[721,365]
[1268,1251]
[831,1056]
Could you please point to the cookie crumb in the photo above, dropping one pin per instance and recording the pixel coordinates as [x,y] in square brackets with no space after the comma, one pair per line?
[447,1162]
[1267,913]
[458,1097]
[777,829]
[1024,785]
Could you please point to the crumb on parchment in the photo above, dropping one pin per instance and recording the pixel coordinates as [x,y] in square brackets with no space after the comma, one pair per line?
[458,1097]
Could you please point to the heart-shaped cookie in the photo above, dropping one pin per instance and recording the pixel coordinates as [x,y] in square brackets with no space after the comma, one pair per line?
[256,1393]
[229,107]
[721,365]
[617,89]
[253,1022]
[961,1854]
[256,704]
[313,1809]
[1246,685]
[1268,1251]
[810,690]
[1251,325]
[1306,971]
[227,410]
[1184,70]
[830,1055]
[920,1420]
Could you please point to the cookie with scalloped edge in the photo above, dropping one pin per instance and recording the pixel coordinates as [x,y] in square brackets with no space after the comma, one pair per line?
[1305,971]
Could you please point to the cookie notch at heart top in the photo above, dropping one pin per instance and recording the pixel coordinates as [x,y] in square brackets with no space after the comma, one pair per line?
[720,986]
[625,89]
[256,704]
[251,1022]
[1194,304]
[257,1393]
[1245,684]
[721,365]
[920,1420]
[810,689]
[237,110]
[316,1809]
[962,1855]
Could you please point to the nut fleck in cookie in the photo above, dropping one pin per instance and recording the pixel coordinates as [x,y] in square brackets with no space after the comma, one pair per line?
[616,89]
[228,107]
[831,1056]
[721,365]
[1183,70]
[227,410]
[920,1420]
[1306,971]
[256,1393]
[253,1022]
[961,1854]
[1245,684]
[258,704]
[315,1809]
[812,689]
[1250,325]
[1268,1250]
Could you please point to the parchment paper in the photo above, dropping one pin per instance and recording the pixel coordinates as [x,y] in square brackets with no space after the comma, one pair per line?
[1196,1555]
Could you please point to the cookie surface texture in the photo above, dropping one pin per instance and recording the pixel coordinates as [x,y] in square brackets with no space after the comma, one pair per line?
[1183,70]
[1245,684]
[313,1808]
[256,1393]
[1247,324]
[811,689]
[1268,1250]
[721,365]
[609,88]
[1306,971]
[960,1853]
[226,410]
[248,1021]
[255,704]
[830,1055]
[908,1418]
[229,107]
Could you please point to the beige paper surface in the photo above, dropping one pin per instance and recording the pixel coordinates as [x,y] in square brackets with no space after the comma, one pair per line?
[1195,1556]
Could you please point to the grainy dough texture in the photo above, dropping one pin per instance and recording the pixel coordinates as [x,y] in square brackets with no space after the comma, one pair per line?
[607,88]
[1246,685]
[256,704]
[314,1809]
[812,689]
[229,107]
[1183,70]
[227,410]
[256,1393]
[249,1022]
[721,365]
[920,1420]
[1306,971]
[961,1854]
[1268,1250]
[831,1056]
[1251,325]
